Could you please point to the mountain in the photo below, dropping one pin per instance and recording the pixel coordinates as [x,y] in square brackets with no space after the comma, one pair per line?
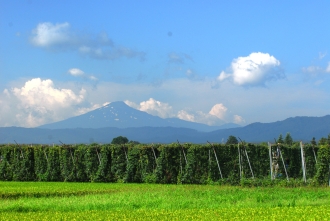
[300,128]
[118,114]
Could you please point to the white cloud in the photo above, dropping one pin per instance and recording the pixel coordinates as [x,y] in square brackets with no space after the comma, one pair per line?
[184,115]
[312,69]
[132,104]
[40,101]
[42,93]
[218,115]
[206,118]
[199,117]
[238,119]
[153,107]
[223,75]
[47,34]
[83,110]
[93,78]
[196,98]
[253,70]
[157,108]
[316,71]
[60,36]
[218,110]
[76,72]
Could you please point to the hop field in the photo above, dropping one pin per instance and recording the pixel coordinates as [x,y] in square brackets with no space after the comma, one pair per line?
[102,201]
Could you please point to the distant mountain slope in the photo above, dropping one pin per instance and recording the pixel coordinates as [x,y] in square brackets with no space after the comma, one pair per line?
[120,115]
[301,128]
[101,135]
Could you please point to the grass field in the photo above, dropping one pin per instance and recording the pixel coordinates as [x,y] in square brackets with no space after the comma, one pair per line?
[112,201]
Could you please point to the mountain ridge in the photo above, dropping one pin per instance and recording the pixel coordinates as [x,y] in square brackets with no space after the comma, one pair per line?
[300,128]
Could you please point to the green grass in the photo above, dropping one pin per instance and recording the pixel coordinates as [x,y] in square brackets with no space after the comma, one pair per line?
[97,201]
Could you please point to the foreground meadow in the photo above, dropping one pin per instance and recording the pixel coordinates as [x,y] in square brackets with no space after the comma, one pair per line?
[105,201]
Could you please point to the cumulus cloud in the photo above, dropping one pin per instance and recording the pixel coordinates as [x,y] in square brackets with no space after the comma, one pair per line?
[218,114]
[199,117]
[184,115]
[40,101]
[42,92]
[60,36]
[253,70]
[238,119]
[153,107]
[47,34]
[218,110]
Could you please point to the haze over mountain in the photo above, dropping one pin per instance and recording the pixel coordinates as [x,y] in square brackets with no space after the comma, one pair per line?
[300,128]
[120,115]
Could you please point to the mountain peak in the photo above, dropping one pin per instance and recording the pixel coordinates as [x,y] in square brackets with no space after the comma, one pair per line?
[118,103]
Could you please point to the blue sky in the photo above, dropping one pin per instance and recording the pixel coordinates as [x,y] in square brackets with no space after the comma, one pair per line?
[211,62]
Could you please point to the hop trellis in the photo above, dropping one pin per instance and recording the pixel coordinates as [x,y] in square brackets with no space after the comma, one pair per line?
[170,163]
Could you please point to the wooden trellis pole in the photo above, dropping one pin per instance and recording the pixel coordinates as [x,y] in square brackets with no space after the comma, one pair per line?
[303,163]
[98,156]
[152,147]
[270,161]
[314,153]
[247,156]
[181,164]
[240,162]
[216,158]
[286,173]
[183,152]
